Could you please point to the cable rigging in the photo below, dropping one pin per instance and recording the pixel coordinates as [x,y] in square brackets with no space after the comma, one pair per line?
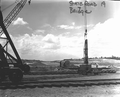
[9,5]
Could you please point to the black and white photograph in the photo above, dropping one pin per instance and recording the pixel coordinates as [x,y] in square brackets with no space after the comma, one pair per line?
[59,48]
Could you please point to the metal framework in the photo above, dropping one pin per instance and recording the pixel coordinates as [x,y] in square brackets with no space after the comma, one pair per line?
[85,37]
[4,25]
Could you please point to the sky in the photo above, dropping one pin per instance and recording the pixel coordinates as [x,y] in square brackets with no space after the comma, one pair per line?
[46,30]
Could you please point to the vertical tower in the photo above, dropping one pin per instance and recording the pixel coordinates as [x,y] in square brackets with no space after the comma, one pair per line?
[86,52]
[85,38]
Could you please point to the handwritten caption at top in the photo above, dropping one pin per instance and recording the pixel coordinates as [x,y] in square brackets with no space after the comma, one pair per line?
[76,7]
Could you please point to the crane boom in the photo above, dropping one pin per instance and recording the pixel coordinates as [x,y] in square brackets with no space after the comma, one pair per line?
[15,11]
[4,24]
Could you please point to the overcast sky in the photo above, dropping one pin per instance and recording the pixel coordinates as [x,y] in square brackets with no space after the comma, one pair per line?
[46,30]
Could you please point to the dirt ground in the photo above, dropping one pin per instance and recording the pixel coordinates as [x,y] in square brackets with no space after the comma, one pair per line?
[88,91]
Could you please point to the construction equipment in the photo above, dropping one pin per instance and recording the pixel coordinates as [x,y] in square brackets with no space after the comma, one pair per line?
[85,68]
[12,15]
[66,64]
[15,73]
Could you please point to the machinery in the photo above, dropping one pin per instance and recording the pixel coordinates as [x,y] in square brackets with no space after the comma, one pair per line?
[85,68]
[66,64]
[15,73]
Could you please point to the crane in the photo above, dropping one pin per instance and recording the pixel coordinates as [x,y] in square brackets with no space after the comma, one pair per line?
[85,68]
[16,72]
[15,11]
